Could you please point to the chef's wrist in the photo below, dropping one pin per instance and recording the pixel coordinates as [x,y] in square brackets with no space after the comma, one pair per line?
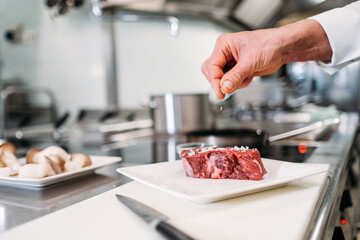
[305,40]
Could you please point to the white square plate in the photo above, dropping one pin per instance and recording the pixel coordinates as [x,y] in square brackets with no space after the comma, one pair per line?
[97,162]
[171,177]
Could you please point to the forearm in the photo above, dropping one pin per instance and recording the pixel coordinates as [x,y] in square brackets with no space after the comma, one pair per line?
[304,41]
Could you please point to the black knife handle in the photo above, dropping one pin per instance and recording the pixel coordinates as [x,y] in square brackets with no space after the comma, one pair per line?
[171,232]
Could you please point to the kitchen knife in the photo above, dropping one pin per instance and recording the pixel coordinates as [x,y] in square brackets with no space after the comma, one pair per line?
[154,218]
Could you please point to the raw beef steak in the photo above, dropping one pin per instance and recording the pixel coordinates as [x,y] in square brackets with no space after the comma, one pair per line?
[230,162]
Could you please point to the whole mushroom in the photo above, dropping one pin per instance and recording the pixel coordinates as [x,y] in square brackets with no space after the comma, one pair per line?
[55,156]
[7,146]
[8,158]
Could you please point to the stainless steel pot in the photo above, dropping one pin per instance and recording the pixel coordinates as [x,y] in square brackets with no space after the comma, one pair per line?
[181,113]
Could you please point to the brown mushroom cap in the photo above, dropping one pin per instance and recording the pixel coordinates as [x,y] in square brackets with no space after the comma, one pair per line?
[77,161]
[30,155]
[7,146]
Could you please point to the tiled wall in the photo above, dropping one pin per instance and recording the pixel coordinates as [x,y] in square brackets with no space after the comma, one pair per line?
[67,55]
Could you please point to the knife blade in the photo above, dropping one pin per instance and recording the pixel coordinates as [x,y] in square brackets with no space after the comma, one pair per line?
[154,218]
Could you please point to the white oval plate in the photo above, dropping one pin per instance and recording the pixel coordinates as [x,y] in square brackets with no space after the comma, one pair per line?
[171,177]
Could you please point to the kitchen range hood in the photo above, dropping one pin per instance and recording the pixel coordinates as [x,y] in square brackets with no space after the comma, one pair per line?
[214,8]
[235,14]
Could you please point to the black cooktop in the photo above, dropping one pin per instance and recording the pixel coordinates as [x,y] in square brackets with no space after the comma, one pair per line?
[297,154]
[151,151]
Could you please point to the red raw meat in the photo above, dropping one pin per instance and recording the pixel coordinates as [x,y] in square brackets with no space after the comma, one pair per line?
[231,162]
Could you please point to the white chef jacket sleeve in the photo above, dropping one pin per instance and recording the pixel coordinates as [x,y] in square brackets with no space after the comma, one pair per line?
[342,27]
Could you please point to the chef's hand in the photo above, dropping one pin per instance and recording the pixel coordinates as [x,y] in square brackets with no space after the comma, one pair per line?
[238,57]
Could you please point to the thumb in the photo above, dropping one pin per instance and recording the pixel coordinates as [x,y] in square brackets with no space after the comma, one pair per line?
[234,78]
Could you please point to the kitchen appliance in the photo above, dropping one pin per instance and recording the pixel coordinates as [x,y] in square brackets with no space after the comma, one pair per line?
[29,113]
[254,138]
[236,15]
[99,126]
[230,137]
[179,113]
[153,218]
[162,151]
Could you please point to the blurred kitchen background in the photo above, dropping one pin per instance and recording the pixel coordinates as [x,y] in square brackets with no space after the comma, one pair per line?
[96,63]
[67,54]
[122,78]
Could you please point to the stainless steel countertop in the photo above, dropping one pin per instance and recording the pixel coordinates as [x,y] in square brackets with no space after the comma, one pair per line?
[20,205]
[336,152]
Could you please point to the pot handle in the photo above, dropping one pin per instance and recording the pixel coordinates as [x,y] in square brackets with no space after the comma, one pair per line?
[313,126]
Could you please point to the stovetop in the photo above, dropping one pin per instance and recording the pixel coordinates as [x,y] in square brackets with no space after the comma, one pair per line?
[297,154]
[152,150]
[166,151]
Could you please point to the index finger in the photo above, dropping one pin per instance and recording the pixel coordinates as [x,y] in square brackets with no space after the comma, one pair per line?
[214,73]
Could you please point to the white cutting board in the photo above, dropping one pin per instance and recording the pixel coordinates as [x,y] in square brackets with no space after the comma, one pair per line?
[281,213]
